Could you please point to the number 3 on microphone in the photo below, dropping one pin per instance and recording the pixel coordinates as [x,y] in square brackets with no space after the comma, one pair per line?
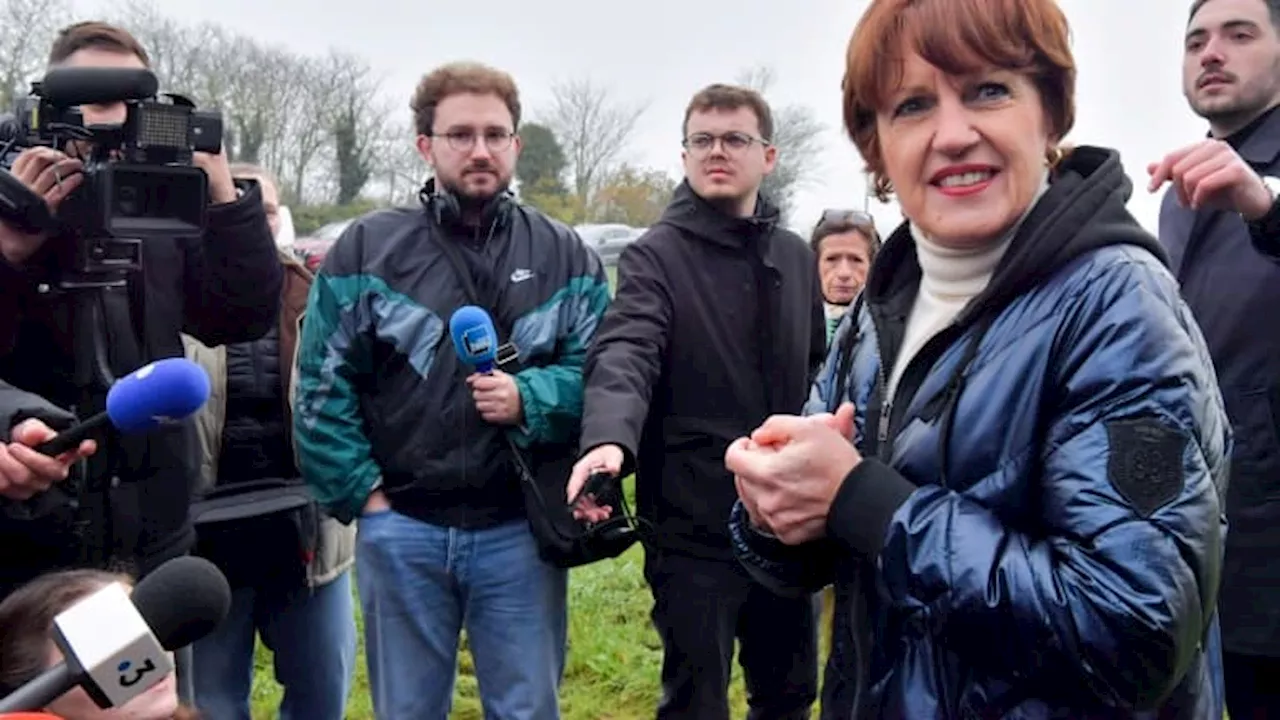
[138,673]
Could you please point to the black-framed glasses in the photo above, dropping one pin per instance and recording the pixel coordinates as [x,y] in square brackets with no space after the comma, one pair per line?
[733,142]
[495,139]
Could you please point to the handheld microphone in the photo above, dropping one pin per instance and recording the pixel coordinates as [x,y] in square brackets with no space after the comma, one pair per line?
[474,337]
[69,86]
[116,646]
[159,393]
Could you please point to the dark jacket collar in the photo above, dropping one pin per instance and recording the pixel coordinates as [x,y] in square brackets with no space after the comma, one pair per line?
[1260,144]
[695,217]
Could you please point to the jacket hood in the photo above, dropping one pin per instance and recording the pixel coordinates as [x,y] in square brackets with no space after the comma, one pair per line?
[694,216]
[1083,210]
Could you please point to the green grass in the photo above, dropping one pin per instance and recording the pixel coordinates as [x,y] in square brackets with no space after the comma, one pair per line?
[613,659]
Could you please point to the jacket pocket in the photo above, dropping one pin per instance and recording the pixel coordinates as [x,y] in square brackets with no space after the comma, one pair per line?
[1255,458]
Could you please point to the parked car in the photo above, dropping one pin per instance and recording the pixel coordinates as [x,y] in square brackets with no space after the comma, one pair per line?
[312,248]
[608,239]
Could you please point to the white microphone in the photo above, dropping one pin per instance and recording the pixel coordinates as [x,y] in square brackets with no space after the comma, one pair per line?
[116,645]
[114,648]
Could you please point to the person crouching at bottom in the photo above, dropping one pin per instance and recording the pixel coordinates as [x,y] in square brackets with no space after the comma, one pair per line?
[27,649]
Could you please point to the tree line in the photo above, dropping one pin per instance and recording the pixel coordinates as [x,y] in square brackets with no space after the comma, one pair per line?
[340,144]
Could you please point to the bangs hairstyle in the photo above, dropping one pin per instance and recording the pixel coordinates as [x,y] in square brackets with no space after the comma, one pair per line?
[960,37]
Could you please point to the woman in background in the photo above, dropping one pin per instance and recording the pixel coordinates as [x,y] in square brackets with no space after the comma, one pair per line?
[846,242]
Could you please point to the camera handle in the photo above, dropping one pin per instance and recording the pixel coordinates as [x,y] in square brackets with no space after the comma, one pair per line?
[92,378]
[101,266]
[92,373]
[21,207]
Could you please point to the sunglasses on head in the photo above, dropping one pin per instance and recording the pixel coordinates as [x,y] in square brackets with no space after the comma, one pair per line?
[856,217]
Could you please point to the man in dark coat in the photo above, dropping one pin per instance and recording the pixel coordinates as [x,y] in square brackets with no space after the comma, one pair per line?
[1219,223]
[717,323]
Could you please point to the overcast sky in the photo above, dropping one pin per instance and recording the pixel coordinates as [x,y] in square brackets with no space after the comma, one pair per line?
[661,51]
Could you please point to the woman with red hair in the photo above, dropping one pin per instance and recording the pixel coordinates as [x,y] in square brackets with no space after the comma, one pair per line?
[1028,521]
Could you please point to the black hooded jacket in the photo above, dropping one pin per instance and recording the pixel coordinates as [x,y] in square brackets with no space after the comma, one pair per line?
[716,324]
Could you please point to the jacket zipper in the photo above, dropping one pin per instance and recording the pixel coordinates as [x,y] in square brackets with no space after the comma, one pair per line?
[932,350]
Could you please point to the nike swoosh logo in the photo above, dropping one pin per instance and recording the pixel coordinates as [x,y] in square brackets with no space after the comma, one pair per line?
[521,275]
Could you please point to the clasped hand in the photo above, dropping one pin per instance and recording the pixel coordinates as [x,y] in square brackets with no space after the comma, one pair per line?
[790,469]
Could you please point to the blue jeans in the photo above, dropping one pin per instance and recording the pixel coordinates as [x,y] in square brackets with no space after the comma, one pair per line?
[421,584]
[313,637]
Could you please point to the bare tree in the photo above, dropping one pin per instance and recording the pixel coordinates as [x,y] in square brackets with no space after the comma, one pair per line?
[797,133]
[262,92]
[26,29]
[358,120]
[317,122]
[593,128]
[179,52]
[252,84]
[307,126]
[400,170]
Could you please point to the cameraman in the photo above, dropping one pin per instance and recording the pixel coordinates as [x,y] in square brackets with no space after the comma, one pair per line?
[129,509]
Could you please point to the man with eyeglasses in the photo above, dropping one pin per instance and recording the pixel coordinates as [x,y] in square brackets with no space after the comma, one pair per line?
[717,323]
[392,428]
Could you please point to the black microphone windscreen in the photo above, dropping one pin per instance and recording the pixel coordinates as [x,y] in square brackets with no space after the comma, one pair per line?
[69,86]
[183,600]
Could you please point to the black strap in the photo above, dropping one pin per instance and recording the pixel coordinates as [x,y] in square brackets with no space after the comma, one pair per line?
[507,357]
[844,355]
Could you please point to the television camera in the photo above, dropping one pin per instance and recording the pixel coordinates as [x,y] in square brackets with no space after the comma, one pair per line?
[139,184]
[139,178]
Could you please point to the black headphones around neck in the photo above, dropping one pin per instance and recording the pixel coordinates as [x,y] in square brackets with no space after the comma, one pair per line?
[447,210]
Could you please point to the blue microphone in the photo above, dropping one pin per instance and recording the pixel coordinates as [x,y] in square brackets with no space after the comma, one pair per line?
[164,392]
[474,337]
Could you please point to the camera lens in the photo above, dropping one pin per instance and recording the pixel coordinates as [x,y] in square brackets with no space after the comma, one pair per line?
[127,202]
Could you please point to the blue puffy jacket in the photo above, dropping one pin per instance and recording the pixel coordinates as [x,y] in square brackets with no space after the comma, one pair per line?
[1037,528]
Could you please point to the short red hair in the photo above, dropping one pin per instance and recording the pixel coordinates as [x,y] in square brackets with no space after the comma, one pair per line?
[958,37]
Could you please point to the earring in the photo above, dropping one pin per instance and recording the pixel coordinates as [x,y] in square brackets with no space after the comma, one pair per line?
[882,188]
[1053,156]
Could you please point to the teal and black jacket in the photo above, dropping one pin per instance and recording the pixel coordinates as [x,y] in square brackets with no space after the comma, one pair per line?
[381,395]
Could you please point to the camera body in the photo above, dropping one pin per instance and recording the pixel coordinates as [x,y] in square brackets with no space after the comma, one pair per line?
[139,178]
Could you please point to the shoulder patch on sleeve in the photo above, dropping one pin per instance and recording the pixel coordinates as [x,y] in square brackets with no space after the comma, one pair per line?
[1145,462]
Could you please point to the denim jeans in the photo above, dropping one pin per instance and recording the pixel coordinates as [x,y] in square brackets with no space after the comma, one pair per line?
[421,584]
[313,637]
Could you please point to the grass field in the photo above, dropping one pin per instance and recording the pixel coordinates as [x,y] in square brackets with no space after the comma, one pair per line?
[613,659]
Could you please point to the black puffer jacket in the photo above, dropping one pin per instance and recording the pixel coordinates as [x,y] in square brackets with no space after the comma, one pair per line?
[255,441]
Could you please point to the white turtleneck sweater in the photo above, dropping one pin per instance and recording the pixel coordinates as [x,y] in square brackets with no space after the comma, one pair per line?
[950,278]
